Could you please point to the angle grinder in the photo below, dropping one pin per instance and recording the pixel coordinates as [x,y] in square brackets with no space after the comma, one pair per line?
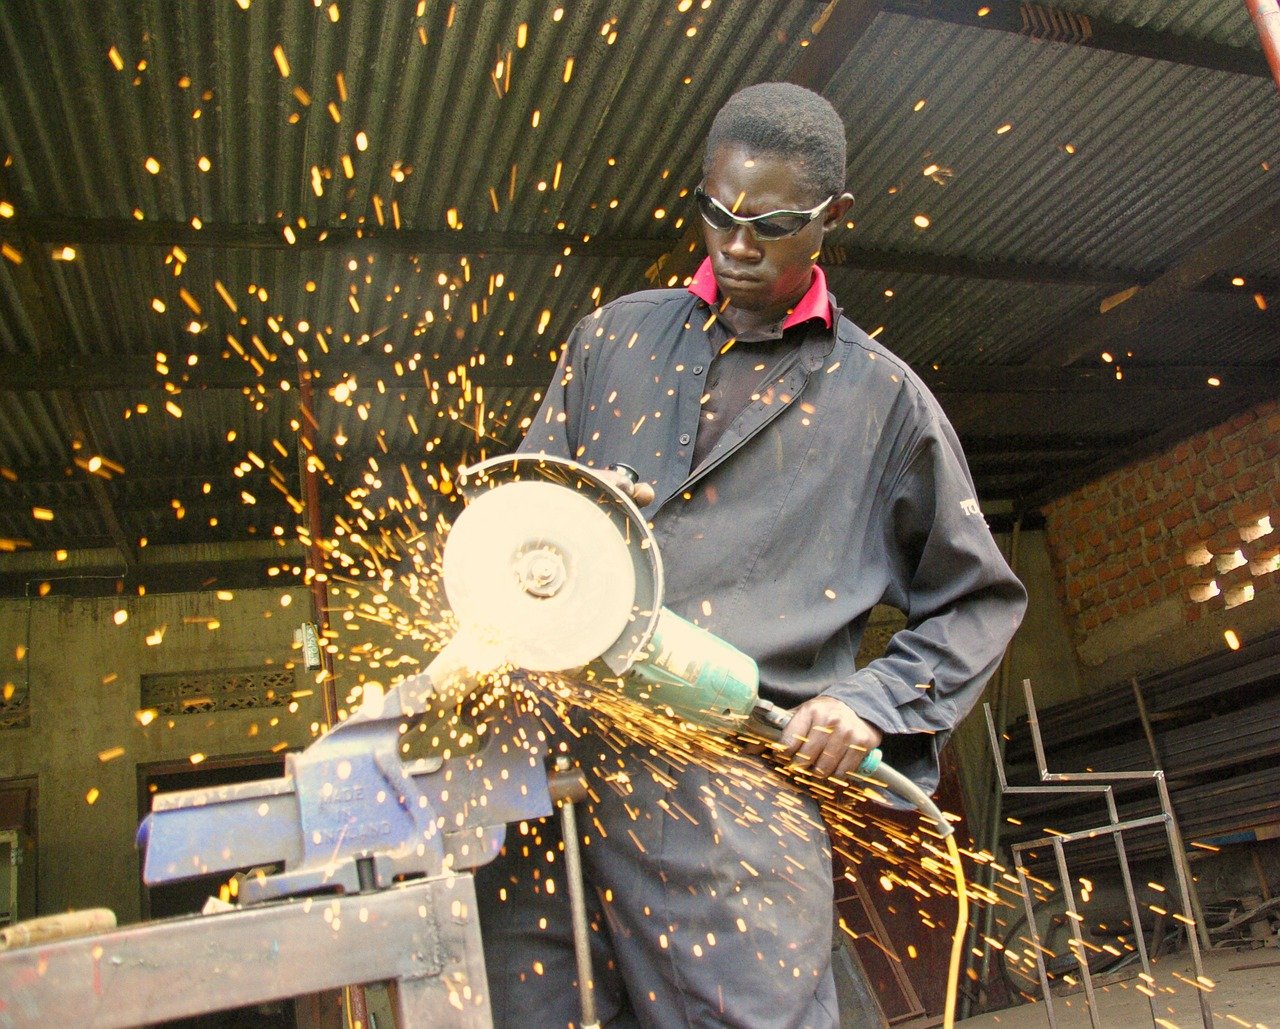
[557,565]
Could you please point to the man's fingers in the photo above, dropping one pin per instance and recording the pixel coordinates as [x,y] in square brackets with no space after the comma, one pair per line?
[796,733]
[642,493]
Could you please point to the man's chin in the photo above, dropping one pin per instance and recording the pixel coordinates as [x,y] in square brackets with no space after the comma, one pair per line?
[745,294]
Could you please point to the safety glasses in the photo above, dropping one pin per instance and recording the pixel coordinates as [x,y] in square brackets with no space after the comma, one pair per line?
[771,226]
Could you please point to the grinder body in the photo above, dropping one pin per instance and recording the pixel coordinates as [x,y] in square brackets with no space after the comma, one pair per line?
[557,566]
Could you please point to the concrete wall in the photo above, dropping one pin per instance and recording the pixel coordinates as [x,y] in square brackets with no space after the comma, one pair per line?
[85,672]
[1041,651]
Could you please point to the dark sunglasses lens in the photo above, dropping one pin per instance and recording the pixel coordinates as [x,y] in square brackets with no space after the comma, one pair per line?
[779,226]
[714,216]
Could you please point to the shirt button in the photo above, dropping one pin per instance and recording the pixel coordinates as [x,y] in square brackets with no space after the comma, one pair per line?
[697,369]
[684,439]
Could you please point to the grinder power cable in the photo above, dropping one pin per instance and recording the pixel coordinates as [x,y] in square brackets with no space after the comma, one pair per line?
[556,566]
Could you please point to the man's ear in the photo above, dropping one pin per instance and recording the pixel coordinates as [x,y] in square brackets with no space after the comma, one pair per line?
[833,217]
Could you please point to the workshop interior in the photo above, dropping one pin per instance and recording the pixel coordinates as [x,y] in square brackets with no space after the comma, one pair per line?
[283,612]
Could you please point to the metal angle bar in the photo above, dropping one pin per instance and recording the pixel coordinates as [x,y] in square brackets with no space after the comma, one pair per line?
[424,936]
[1093,834]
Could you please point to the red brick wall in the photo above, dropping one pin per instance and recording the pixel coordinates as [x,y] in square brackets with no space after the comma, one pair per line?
[1173,526]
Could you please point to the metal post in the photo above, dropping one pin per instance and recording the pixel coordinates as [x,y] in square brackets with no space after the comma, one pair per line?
[356,1012]
[1037,948]
[1077,935]
[1140,941]
[1196,911]
[1185,894]
[1266,19]
[990,839]
[568,785]
[316,578]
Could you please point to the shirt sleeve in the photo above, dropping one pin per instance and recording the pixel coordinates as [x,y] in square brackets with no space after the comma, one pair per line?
[554,429]
[962,602]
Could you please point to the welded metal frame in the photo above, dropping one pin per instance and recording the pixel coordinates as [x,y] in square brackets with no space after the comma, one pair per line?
[423,938]
[1101,783]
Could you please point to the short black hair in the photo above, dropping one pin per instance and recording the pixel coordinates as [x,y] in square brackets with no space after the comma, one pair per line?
[787,121]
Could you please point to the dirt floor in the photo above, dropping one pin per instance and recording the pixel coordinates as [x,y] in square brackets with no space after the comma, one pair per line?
[1246,992]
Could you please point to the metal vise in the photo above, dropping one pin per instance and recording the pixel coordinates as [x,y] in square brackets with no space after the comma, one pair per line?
[349,815]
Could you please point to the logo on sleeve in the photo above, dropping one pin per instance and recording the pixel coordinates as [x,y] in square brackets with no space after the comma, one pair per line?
[970,506]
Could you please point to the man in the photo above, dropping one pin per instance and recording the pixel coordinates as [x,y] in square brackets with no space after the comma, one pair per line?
[800,474]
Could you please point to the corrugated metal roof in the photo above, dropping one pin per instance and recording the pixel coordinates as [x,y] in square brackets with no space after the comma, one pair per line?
[1149,138]
[421,118]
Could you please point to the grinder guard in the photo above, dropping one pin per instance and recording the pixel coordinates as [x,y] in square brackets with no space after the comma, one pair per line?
[662,660]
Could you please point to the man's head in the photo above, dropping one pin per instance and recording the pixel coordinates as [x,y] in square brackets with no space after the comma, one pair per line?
[775,150]
[789,122]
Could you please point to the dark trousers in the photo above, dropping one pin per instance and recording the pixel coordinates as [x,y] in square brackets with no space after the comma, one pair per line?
[708,894]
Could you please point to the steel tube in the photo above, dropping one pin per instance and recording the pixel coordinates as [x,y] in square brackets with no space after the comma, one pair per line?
[578,914]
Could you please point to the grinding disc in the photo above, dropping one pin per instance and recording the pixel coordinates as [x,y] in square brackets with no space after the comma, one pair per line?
[542,571]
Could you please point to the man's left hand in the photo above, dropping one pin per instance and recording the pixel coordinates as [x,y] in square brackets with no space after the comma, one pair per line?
[827,738]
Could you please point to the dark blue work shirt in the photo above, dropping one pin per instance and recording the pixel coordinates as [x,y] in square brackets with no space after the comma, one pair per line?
[840,485]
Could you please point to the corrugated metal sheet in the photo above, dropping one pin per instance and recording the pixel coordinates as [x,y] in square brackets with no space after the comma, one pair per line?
[1149,169]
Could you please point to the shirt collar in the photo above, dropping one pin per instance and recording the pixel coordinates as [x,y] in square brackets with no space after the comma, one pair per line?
[814,304]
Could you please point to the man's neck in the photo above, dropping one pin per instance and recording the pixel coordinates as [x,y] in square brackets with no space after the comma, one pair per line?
[743,322]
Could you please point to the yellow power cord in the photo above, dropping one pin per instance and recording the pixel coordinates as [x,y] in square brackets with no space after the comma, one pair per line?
[894,781]
[957,937]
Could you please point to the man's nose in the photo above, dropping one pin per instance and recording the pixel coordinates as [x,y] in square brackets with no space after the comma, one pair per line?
[741,245]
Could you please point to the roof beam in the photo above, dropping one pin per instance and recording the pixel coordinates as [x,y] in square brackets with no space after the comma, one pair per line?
[1097,378]
[78,418]
[125,231]
[191,471]
[168,234]
[831,39]
[1045,445]
[1058,24]
[239,573]
[1250,226]
[78,374]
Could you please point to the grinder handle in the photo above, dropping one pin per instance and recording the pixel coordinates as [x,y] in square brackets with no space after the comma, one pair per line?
[768,719]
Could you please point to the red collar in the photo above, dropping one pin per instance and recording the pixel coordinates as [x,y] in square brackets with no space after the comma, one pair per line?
[814,304]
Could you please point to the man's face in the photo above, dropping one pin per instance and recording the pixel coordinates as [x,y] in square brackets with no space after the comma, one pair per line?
[764,278]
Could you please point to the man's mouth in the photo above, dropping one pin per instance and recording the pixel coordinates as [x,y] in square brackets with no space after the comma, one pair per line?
[735,279]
